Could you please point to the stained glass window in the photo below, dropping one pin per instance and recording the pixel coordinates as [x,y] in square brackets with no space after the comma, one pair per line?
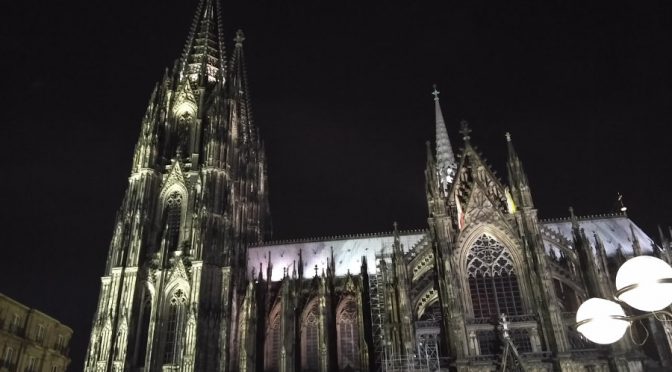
[492,281]
[348,336]
[273,343]
[310,341]
[174,325]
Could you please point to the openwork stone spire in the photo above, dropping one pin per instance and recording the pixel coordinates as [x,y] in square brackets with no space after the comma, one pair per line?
[203,57]
[445,159]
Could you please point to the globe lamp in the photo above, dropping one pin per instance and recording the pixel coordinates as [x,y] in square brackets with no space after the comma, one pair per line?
[601,321]
[645,283]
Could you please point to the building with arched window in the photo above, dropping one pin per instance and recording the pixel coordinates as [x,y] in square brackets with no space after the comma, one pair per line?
[192,284]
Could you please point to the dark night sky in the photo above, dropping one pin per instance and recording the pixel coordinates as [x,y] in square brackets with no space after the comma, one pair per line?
[341,92]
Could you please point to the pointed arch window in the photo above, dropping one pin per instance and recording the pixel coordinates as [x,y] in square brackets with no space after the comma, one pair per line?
[493,284]
[174,326]
[273,342]
[310,351]
[347,328]
[173,217]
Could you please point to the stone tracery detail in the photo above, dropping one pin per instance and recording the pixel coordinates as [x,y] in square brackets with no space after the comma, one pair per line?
[348,335]
[174,326]
[493,284]
[310,350]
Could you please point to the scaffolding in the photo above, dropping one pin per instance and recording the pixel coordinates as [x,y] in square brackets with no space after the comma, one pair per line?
[511,360]
[428,333]
[378,317]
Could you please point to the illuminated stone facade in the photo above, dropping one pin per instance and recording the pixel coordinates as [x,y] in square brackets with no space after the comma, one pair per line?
[190,284]
[31,341]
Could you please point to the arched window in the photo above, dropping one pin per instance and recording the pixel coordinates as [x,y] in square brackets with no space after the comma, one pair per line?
[492,282]
[172,216]
[273,341]
[174,326]
[310,351]
[347,328]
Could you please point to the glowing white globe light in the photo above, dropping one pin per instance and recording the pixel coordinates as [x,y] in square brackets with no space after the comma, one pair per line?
[638,283]
[601,321]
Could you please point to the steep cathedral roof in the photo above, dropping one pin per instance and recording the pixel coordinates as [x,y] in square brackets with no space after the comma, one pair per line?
[616,231]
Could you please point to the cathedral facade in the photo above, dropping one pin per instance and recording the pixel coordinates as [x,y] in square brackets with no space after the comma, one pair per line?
[191,284]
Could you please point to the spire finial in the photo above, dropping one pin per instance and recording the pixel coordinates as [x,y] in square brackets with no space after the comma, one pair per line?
[623,208]
[435,93]
[240,37]
[508,137]
[465,130]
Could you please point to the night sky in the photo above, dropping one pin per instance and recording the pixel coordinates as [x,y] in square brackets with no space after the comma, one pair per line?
[341,93]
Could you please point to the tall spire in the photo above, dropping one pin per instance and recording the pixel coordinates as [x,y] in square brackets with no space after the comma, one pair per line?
[445,159]
[203,56]
[239,90]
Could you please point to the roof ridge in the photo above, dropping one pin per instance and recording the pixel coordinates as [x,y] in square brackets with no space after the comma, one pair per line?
[585,217]
[336,237]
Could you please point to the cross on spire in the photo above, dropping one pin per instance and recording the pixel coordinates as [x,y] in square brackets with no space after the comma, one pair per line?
[508,137]
[435,93]
[465,130]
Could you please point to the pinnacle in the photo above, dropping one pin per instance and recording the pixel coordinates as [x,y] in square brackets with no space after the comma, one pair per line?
[465,130]
[240,37]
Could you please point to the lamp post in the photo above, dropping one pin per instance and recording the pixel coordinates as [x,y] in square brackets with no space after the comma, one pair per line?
[644,283]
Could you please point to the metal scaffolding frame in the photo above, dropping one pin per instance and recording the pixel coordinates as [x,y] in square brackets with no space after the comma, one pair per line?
[378,317]
[427,337]
[427,333]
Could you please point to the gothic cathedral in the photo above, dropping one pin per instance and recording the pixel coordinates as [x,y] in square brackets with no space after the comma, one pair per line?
[191,284]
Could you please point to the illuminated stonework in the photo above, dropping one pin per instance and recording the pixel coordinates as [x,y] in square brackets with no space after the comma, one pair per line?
[192,285]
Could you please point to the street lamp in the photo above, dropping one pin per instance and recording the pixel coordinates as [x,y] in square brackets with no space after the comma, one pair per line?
[644,283]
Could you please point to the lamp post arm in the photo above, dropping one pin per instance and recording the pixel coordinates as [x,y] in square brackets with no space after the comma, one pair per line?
[632,318]
[636,285]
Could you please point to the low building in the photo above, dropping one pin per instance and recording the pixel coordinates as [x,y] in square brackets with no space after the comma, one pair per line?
[30,340]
